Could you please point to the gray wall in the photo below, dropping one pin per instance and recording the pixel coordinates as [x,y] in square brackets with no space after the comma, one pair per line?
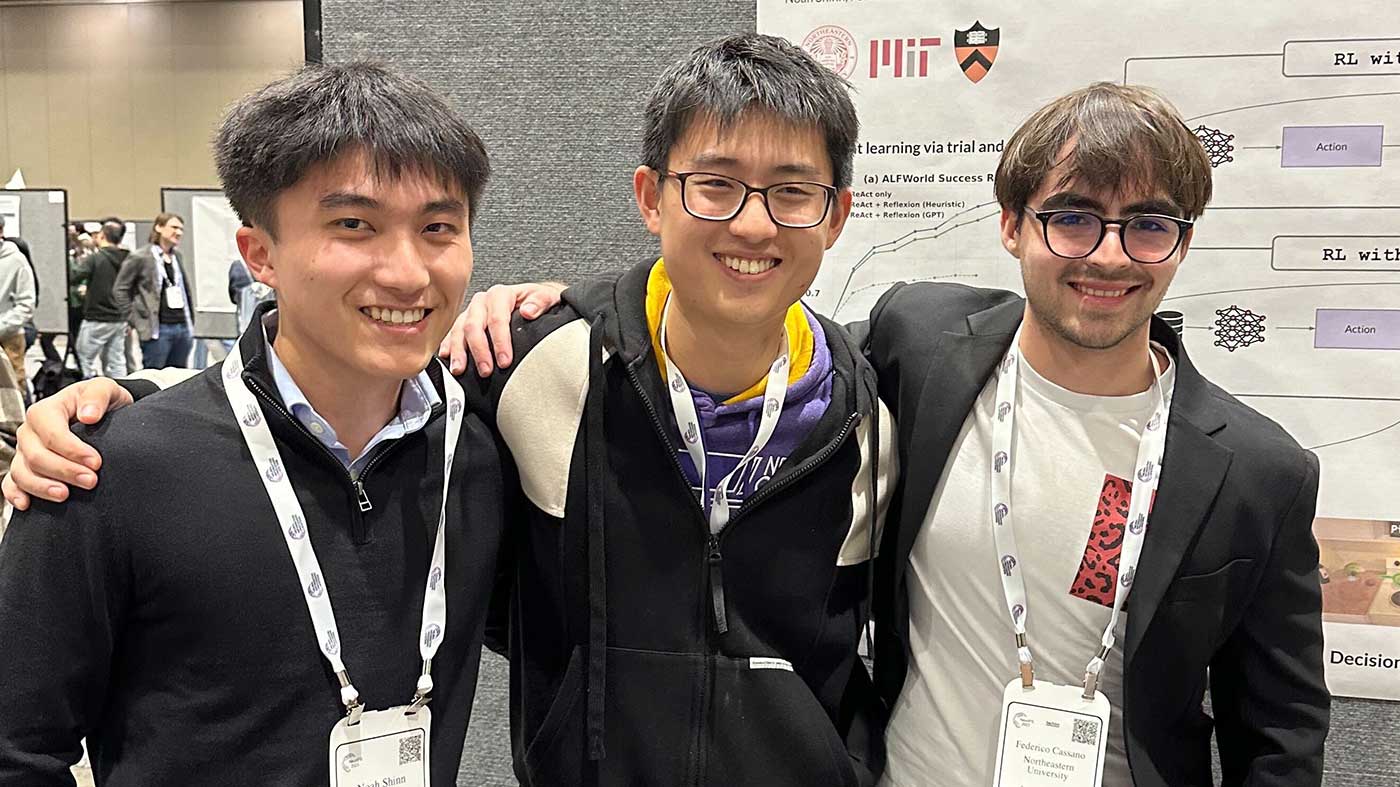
[42,227]
[555,91]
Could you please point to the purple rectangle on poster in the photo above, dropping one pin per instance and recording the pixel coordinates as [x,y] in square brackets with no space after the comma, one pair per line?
[1358,329]
[1332,146]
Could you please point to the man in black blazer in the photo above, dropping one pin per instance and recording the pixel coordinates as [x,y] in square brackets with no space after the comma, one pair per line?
[1225,595]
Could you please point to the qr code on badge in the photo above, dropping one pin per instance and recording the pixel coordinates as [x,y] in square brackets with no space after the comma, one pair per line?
[411,749]
[1086,731]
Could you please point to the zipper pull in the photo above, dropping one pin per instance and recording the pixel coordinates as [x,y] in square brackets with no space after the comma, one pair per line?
[717,585]
[363,496]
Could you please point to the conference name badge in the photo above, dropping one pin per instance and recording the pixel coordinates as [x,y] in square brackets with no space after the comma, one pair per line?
[387,748]
[174,297]
[1051,735]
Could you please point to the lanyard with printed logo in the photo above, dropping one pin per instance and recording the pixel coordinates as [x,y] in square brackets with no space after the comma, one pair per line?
[282,493]
[774,394]
[1146,472]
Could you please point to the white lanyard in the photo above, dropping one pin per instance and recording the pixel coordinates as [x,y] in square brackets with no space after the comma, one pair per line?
[282,493]
[1147,470]
[161,259]
[774,393]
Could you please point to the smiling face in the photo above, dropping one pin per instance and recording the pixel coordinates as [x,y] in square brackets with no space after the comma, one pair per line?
[746,271]
[1099,301]
[369,271]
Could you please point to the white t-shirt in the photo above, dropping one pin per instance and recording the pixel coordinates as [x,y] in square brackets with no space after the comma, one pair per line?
[1073,452]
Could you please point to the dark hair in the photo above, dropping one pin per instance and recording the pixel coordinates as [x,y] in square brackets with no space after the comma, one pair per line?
[113,229]
[729,78]
[159,221]
[271,137]
[1124,136]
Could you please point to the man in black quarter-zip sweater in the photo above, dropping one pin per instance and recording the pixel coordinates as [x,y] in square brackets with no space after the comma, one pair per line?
[173,617]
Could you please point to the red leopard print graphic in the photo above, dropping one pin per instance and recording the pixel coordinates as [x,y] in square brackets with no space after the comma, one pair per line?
[1097,580]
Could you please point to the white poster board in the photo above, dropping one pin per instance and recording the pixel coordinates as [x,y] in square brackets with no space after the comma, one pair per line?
[1290,297]
[9,208]
[214,226]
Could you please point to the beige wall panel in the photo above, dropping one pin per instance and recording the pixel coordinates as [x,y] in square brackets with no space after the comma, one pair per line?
[113,101]
[69,33]
[27,92]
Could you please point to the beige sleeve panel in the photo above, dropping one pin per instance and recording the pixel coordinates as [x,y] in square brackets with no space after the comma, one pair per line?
[856,548]
[540,411]
[163,378]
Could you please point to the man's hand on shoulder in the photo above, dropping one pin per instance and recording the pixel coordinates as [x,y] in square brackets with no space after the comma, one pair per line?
[48,456]
[486,324]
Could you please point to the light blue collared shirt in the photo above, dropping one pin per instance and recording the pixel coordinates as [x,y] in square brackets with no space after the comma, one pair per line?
[416,400]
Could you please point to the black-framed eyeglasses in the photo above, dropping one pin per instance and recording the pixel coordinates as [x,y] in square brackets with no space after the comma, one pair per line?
[1148,238]
[797,204]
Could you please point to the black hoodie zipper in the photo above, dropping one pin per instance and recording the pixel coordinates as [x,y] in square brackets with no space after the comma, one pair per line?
[715,555]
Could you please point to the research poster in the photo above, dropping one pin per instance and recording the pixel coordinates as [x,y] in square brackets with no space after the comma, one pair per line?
[214,229]
[1290,295]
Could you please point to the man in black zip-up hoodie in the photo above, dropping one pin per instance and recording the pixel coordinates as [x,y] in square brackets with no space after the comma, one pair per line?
[652,640]
[160,615]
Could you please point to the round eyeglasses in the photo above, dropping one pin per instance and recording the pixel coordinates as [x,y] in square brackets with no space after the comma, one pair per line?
[797,204]
[1148,238]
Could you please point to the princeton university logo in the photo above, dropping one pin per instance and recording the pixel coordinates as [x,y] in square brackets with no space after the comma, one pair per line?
[274,471]
[976,49]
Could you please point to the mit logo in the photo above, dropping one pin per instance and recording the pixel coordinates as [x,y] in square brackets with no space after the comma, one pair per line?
[899,54]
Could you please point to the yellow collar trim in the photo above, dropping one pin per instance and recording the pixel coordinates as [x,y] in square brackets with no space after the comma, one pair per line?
[800,339]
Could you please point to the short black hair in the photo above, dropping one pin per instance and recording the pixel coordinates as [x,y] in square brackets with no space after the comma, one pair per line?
[728,78]
[271,137]
[113,229]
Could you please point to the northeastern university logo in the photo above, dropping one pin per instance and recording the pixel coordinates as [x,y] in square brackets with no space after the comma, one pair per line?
[833,47]
[976,49]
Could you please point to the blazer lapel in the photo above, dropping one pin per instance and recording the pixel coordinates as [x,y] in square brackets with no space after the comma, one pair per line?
[962,363]
[1193,468]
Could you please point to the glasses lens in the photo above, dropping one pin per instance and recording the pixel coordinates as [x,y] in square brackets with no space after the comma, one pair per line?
[1072,233]
[797,204]
[1150,238]
[712,196]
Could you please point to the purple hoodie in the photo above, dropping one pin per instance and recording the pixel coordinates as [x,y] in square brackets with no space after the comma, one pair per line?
[729,429]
